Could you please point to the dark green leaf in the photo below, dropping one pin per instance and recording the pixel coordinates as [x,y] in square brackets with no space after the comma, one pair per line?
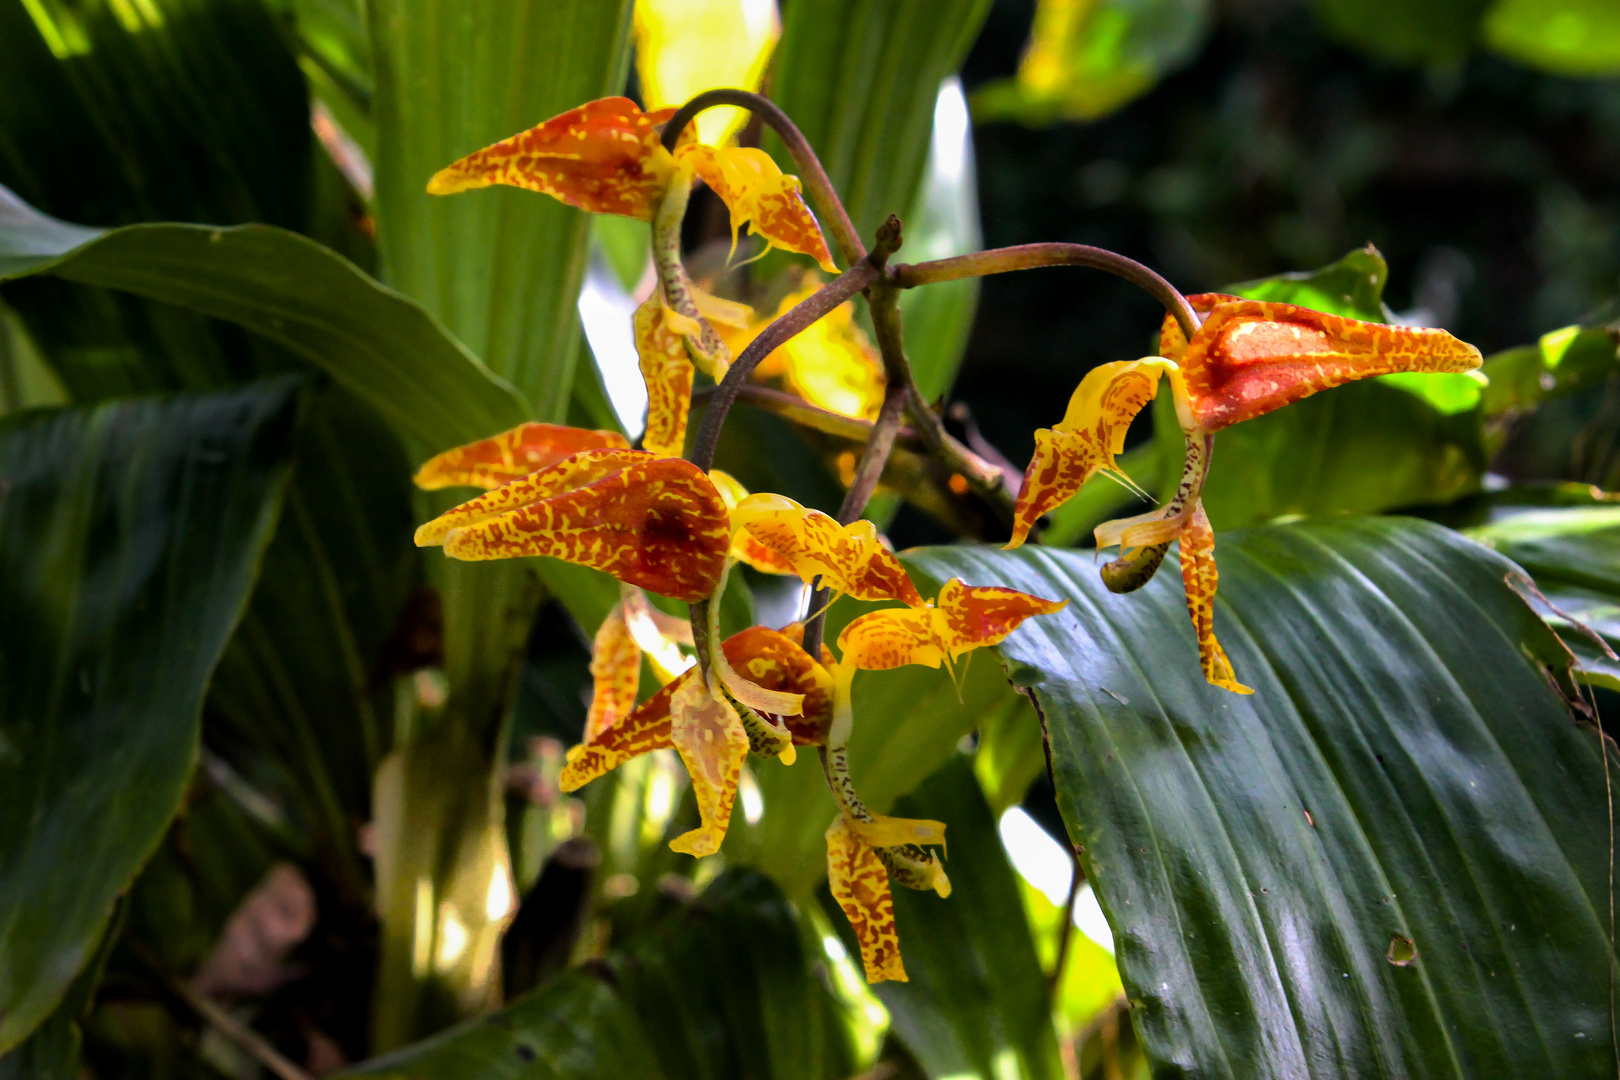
[976,1003]
[381,346]
[502,267]
[1565,361]
[1404,770]
[129,537]
[1433,32]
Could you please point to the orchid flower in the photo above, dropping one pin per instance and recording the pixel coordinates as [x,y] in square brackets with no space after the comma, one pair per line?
[1247,358]
[606,157]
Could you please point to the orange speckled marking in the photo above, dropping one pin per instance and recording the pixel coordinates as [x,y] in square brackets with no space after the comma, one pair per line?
[744,547]
[615,674]
[850,558]
[771,659]
[511,455]
[643,731]
[712,742]
[603,156]
[667,370]
[1199,577]
[861,887]
[759,195]
[649,521]
[967,617]
[1252,356]
[1085,442]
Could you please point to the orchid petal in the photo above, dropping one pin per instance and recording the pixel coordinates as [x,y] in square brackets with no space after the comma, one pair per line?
[830,364]
[1250,356]
[646,729]
[1199,576]
[774,661]
[1091,433]
[967,617]
[667,370]
[744,548]
[848,558]
[604,156]
[615,674]
[974,616]
[649,521]
[759,195]
[860,884]
[657,635]
[885,831]
[710,737]
[511,455]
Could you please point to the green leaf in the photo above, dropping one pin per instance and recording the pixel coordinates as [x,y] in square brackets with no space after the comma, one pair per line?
[378,344]
[129,537]
[1403,772]
[1087,60]
[1566,37]
[1365,447]
[720,988]
[1434,32]
[976,1003]
[1564,361]
[502,267]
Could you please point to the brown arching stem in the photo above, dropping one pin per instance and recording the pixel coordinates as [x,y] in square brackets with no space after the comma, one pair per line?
[1030,256]
[811,174]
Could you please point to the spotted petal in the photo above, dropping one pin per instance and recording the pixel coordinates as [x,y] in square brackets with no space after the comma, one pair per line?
[744,547]
[1250,356]
[667,370]
[759,195]
[966,617]
[860,884]
[615,674]
[1091,433]
[1199,576]
[773,660]
[849,558]
[712,742]
[649,521]
[511,455]
[643,731]
[603,156]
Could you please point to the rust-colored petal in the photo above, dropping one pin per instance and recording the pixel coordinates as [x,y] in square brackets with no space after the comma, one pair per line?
[760,195]
[849,558]
[773,660]
[1251,356]
[861,886]
[667,370]
[1091,433]
[649,521]
[603,156]
[615,674]
[710,737]
[1198,575]
[973,616]
[894,637]
[643,731]
[511,455]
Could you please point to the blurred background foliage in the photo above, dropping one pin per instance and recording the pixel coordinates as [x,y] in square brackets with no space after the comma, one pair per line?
[1473,143]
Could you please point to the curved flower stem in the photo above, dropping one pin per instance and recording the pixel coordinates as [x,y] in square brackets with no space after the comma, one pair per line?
[811,174]
[820,302]
[1029,256]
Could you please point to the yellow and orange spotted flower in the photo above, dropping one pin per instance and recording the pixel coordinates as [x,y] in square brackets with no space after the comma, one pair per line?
[1247,358]
[705,729]
[633,628]
[605,157]
[965,617]
[650,521]
[830,364]
[849,559]
[511,455]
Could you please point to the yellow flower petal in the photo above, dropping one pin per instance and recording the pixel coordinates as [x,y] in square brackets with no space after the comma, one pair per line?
[1198,575]
[615,674]
[684,47]
[885,831]
[710,737]
[744,548]
[860,884]
[830,364]
[666,368]
[849,558]
[760,196]
[967,617]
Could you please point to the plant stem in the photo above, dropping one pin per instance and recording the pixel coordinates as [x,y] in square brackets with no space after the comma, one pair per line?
[1029,256]
[826,298]
[811,174]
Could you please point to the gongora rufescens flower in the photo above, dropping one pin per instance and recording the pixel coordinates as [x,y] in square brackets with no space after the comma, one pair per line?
[1247,358]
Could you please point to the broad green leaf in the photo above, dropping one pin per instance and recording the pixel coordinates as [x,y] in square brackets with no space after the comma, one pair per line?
[1564,361]
[1404,771]
[1437,32]
[1380,444]
[976,1003]
[129,538]
[1566,37]
[720,988]
[502,267]
[378,344]
[1088,58]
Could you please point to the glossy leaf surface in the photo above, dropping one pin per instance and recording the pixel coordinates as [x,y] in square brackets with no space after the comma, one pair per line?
[130,534]
[1403,771]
